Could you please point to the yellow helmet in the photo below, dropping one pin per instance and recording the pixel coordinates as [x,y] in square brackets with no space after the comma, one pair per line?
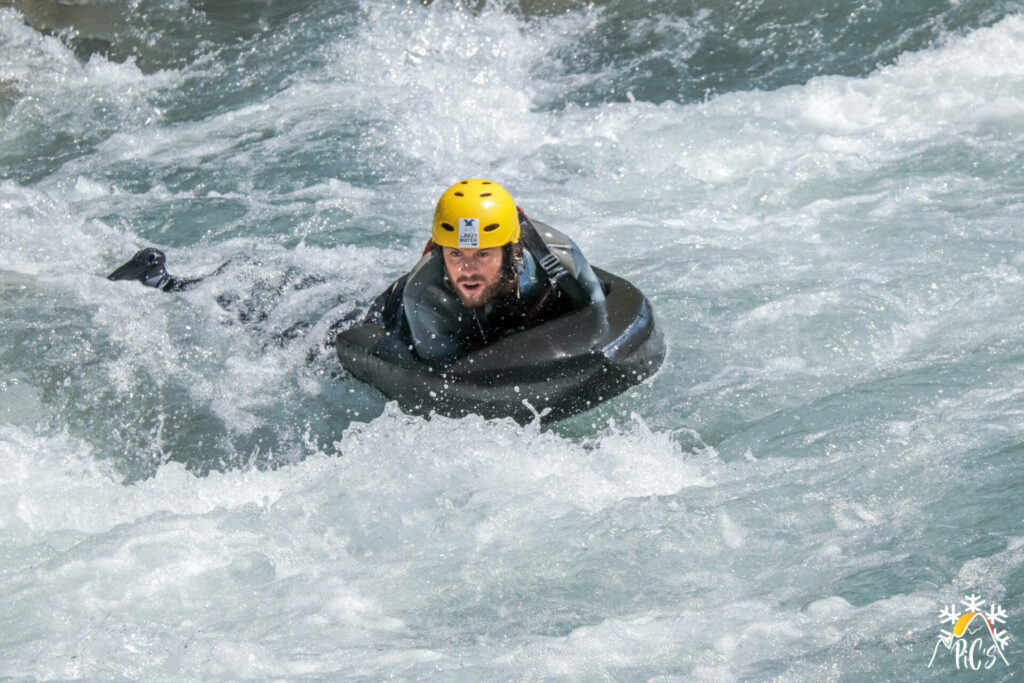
[475,214]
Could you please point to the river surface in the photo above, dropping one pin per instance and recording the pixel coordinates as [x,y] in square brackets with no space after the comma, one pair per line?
[824,202]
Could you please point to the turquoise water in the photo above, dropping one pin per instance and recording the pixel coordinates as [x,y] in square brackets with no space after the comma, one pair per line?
[824,204]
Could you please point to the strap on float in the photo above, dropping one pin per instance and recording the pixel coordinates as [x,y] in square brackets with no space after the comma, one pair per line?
[551,264]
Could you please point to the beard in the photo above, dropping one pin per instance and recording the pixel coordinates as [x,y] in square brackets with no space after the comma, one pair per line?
[483,295]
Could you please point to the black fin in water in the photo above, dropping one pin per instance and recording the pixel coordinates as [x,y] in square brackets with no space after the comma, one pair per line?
[146,266]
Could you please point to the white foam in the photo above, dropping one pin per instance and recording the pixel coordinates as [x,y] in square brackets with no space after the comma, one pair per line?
[403,491]
[820,361]
[55,90]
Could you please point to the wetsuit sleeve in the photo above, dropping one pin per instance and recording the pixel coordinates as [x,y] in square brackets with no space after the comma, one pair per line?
[430,313]
[386,309]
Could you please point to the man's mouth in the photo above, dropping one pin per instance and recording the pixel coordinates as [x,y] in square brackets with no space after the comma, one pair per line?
[470,286]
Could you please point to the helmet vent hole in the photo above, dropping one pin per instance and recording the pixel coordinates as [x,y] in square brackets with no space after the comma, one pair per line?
[459,194]
[485,194]
[448,226]
[492,227]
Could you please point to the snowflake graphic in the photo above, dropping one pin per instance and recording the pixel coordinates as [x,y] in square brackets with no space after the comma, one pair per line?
[1002,638]
[949,614]
[996,614]
[972,603]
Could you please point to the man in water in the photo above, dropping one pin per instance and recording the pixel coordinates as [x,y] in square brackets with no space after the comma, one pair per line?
[489,271]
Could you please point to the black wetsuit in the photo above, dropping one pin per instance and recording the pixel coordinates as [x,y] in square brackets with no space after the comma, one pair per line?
[424,312]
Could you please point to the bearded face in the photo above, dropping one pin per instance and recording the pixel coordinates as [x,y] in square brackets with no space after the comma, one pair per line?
[476,274]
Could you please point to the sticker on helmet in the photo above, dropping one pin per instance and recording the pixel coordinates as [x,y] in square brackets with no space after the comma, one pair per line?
[469,232]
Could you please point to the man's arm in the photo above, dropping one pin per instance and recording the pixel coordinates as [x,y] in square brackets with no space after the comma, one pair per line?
[434,315]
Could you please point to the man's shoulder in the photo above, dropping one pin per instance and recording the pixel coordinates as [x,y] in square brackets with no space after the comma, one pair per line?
[572,259]
[426,292]
[562,246]
[428,272]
